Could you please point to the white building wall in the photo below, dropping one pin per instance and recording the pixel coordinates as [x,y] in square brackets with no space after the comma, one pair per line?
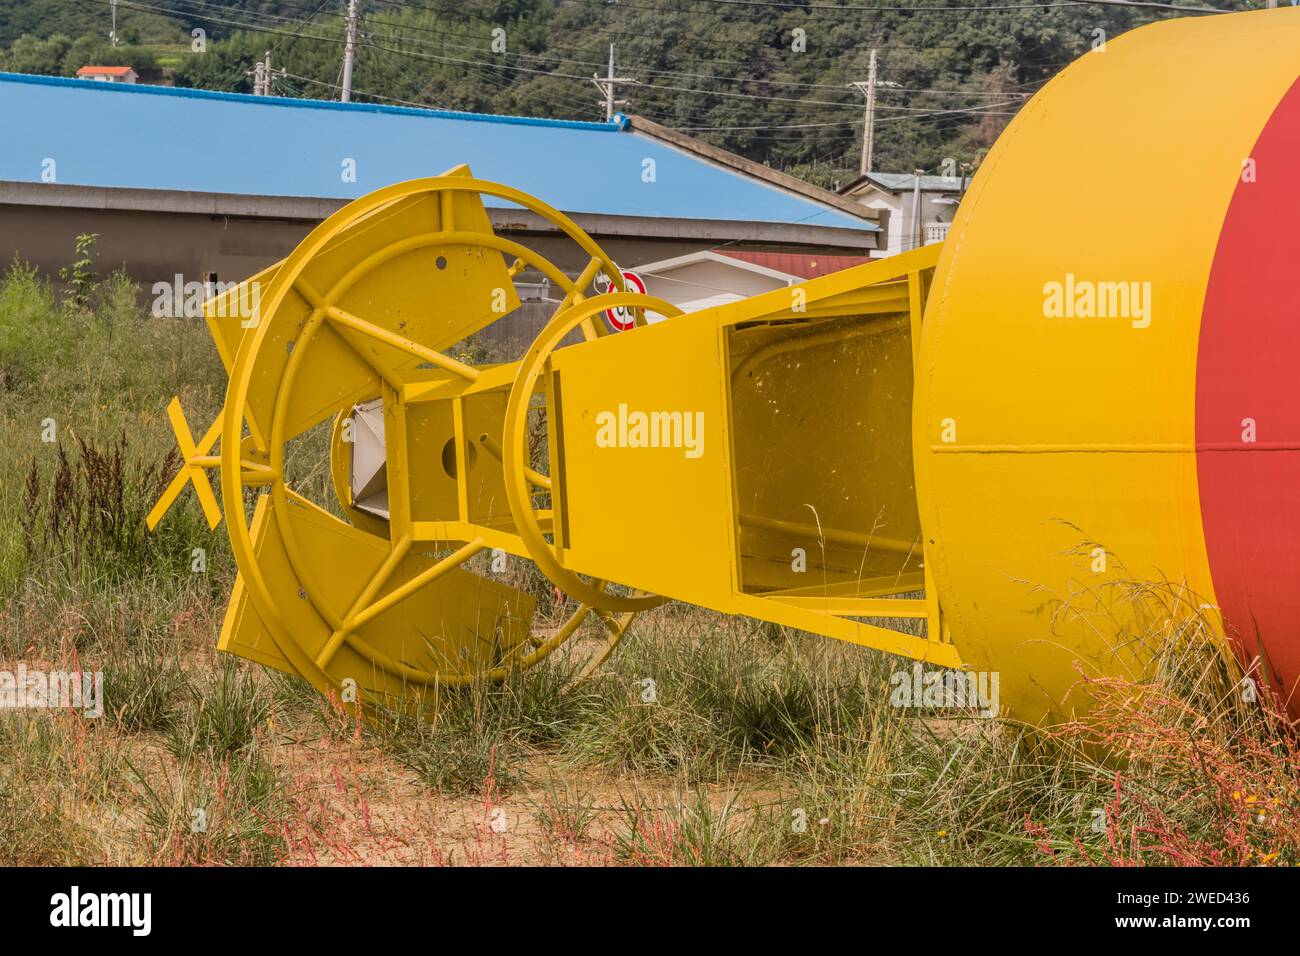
[701,285]
[902,227]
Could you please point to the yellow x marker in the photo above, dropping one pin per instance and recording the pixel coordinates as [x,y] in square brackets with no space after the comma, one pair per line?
[190,473]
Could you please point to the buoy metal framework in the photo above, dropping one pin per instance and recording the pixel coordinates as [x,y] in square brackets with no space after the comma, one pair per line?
[1085,385]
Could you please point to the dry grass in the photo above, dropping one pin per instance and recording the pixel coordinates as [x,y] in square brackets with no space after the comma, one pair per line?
[758,746]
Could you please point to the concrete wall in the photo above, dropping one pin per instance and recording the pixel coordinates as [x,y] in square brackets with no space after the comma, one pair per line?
[157,233]
[155,246]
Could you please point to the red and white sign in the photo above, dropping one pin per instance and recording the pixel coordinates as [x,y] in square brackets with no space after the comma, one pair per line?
[621,319]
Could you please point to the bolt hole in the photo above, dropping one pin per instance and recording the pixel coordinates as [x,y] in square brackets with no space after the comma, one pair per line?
[449,463]
[441,262]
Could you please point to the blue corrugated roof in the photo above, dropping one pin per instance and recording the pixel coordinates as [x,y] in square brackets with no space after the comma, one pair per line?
[153,137]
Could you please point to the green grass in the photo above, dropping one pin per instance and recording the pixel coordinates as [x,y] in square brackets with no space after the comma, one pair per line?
[226,710]
[484,730]
[703,741]
[222,812]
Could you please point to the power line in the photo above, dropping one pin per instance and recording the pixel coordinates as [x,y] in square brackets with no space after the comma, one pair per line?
[711,77]
[201,15]
[990,110]
[581,62]
[494,68]
[974,111]
[1151,6]
[211,19]
[378,96]
[309,20]
[255,28]
[643,69]
[840,125]
[406,5]
[804,103]
[828,8]
[903,89]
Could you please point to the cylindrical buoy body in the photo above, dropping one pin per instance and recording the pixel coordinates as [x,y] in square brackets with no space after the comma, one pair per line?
[1108,389]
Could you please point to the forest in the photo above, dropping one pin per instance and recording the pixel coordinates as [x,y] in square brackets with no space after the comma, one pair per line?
[769,80]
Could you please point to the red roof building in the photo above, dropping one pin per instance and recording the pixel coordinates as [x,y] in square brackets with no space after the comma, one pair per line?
[796,264]
[108,74]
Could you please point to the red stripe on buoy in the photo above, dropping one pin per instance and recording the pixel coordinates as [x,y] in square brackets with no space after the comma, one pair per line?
[1248,407]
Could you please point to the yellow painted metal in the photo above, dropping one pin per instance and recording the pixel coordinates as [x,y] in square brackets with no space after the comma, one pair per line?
[719,514]
[191,472]
[791,500]
[1041,440]
[776,481]
[907,455]
[367,308]
[516,472]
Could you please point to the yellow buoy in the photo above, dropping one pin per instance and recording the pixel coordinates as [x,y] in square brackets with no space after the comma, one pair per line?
[973,455]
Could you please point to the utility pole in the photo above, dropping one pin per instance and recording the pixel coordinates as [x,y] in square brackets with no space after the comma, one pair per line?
[916,210]
[113,35]
[869,121]
[349,53]
[263,76]
[868,89]
[606,85]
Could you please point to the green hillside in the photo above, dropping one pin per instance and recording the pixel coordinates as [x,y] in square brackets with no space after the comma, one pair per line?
[767,79]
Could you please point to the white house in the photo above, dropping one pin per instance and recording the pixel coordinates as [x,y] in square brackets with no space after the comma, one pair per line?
[892,195]
[711,277]
[108,74]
